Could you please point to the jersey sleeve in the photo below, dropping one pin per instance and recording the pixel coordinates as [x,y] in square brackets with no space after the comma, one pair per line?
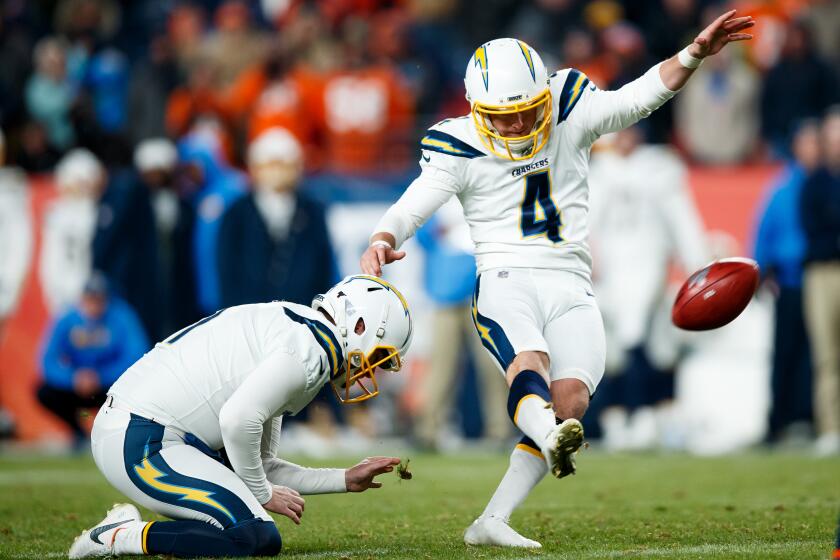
[266,392]
[442,161]
[599,112]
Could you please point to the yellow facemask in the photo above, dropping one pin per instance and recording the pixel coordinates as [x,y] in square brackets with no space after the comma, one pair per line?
[360,371]
[492,140]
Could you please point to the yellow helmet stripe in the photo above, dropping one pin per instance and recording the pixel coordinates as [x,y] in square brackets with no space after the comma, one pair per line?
[526,52]
[480,57]
[387,285]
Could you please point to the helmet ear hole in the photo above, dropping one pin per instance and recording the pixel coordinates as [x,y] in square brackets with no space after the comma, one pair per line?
[360,326]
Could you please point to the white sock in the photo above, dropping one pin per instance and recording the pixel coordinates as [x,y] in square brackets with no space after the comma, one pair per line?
[129,538]
[524,472]
[535,418]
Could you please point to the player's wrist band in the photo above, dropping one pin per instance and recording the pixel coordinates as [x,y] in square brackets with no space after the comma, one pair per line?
[687,60]
[381,243]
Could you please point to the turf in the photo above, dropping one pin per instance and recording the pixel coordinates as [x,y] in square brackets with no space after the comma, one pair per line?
[756,506]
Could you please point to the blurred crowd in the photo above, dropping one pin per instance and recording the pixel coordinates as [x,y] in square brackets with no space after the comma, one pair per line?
[183,138]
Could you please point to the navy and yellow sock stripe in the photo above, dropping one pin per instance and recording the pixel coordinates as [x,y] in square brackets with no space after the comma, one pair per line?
[325,339]
[152,475]
[573,88]
[527,445]
[492,335]
[145,537]
[437,141]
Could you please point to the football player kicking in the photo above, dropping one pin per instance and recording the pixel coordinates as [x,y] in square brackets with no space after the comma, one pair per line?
[217,391]
[518,164]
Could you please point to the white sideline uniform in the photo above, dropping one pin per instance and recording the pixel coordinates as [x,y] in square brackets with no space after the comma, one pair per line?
[643,217]
[528,222]
[225,381]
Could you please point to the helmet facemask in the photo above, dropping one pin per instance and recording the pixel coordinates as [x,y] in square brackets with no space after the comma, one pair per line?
[519,147]
[356,380]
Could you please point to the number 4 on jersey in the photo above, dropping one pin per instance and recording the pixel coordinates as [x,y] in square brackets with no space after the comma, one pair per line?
[539,214]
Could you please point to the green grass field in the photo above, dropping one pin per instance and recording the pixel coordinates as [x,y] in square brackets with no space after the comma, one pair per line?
[757,506]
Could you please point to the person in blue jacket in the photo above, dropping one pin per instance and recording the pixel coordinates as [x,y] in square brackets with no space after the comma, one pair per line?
[219,187]
[780,247]
[87,349]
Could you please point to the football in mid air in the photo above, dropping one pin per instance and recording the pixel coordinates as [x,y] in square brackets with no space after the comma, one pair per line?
[715,295]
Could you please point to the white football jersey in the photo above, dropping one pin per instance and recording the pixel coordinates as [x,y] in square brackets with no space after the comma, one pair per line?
[184,381]
[67,258]
[530,213]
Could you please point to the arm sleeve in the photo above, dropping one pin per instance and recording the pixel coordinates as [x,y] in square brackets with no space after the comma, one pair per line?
[601,112]
[267,390]
[283,473]
[420,200]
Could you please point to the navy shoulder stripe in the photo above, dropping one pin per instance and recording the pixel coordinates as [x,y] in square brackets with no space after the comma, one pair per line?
[437,141]
[574,86]
[325,339]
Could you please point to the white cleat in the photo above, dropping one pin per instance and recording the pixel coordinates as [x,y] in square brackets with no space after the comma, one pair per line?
[493,531]
[560,447]
[98,541]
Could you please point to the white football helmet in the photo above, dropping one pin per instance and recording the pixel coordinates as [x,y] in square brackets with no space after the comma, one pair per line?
[374,322]
[506,76]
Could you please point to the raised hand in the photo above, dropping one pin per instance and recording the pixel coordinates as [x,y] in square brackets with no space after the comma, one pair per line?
[360,477]
[725,29]
[377,256]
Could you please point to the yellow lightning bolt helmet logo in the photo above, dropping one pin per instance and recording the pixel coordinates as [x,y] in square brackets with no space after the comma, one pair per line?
[480,57]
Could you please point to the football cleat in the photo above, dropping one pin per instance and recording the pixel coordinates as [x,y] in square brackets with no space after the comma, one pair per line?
[561,446]
[493,531]
[98,541]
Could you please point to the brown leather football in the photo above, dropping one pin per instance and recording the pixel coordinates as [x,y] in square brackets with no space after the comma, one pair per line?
[716,294]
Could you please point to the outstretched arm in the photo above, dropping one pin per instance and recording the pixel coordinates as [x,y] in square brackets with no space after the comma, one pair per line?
[600,112]
[725,29]
[419,201]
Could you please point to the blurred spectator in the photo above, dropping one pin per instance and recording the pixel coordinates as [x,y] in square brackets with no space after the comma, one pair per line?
[579,52]
[124,246]
[235,43]
[626,50]
[643,218]
[820,207]
[670,25]
[544,23]
[203,166]
[271,95]
[15,66]
[273,242]
[780,252]
[152,80]
[717,112]
[823,18]
[35,154]
[156,161]
[195,100]
[450,279]
[49,93]
[367,109]
[88,348]
[185,30]
[15,234]
[69,226]
[799,86]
